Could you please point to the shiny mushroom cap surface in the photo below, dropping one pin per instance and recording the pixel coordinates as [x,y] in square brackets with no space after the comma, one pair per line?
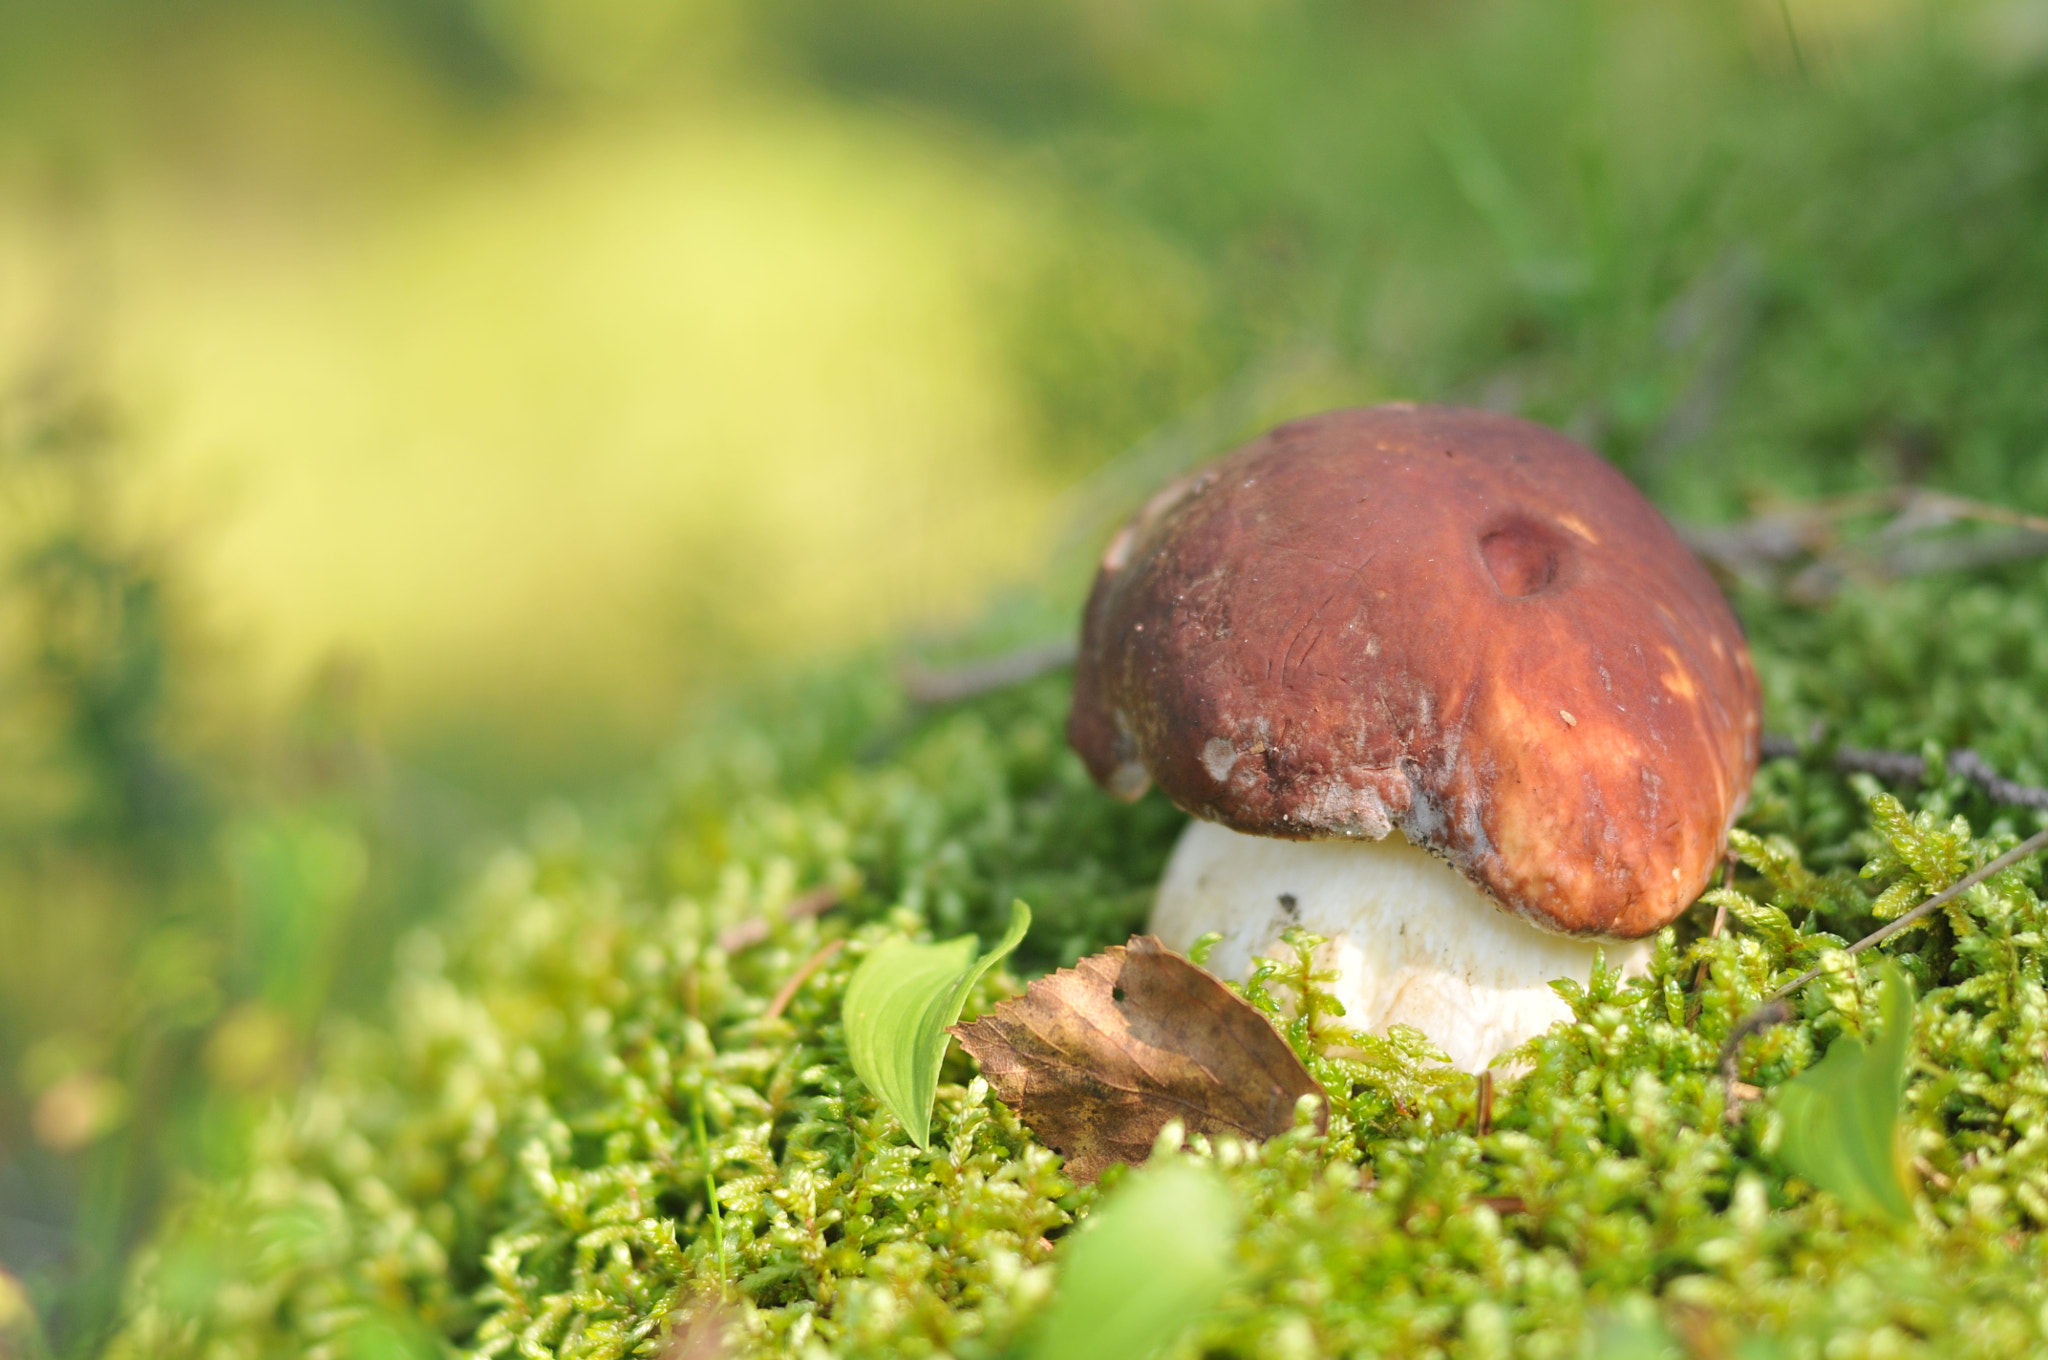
[1451,623]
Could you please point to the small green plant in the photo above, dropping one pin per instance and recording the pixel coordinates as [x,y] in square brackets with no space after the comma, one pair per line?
[1146,1266]
[898,1006]
[1632,1330]
[1841,1116]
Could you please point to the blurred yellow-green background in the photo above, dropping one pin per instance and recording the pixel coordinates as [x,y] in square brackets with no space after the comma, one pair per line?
[413,412]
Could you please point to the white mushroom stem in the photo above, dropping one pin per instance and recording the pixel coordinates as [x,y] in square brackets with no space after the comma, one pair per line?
[1413,942]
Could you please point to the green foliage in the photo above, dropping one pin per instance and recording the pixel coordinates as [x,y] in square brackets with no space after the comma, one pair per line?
[513,1161]
[1149,1262]
[110,919]
[615,1021]
[1840,1118]
[174,925]
[1919,854]
[899,1004]
[1632,1331]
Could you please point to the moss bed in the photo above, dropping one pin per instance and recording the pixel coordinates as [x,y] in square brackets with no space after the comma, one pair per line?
[510,1164]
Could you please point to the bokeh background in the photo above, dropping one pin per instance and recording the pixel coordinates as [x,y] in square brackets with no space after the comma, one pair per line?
[416,414]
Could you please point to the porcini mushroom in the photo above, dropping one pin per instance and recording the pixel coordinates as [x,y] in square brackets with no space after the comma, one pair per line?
[1438,685]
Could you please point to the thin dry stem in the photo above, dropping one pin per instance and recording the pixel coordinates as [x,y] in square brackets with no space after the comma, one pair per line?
[797,979]
[2030,846]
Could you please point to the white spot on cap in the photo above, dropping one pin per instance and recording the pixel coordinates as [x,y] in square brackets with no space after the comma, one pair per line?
[1569,720]
[1218,755]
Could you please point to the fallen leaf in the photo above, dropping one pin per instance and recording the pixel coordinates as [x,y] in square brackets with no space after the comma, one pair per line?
[1098,1057]
[898,1006]
[1144,1267]
[702,1332]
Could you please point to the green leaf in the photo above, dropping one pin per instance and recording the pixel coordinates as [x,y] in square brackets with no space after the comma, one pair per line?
[1631,1330]
[898,1005]
[1146,1264]
[1842,1114]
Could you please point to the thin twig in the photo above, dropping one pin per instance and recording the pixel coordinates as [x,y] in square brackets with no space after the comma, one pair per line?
[983,677]
[1973,767]
[1959,507]
[1904,767]
[2031,845]
[1893,765]
[1699,974]
[1772,1012]
[752,931]
[797,979]
[1901,767]
[1765,549]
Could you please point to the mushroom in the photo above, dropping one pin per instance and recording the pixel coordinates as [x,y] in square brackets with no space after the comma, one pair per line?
[1438,685]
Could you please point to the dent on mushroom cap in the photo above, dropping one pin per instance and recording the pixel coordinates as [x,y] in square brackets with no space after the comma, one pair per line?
[1411,599]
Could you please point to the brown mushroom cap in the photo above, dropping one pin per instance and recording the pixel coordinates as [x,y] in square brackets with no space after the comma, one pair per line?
[1449,622]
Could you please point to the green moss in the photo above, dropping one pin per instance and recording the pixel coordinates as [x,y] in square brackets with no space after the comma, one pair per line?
[510,1166]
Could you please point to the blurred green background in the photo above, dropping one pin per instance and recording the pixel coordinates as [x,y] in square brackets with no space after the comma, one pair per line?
[413,412]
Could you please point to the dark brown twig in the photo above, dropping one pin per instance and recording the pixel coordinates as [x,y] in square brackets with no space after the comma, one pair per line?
[1974,768]
[1771,1013]
[1903,767]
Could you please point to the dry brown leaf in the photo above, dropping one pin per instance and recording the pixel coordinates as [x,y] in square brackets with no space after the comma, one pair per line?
[1098,1057]
[703,1331]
